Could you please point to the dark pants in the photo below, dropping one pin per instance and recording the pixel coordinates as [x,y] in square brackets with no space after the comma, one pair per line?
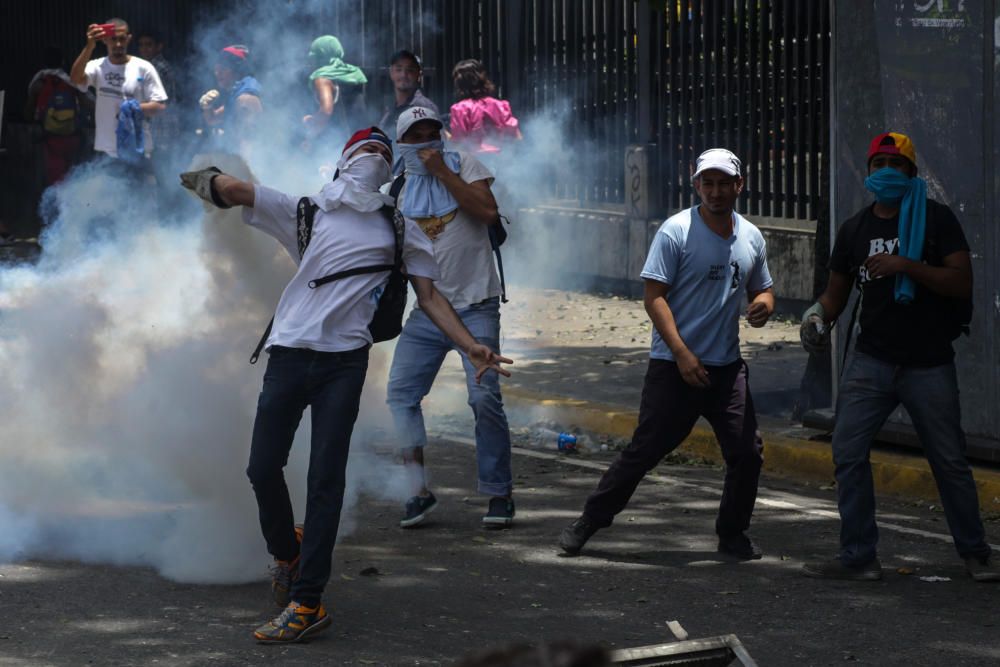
[670,407]
[869,392]
[330,383]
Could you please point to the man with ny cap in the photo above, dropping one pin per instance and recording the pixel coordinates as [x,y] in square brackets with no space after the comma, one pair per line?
[910,259]
[448,195]
[406,72]
[318,355]
[701,263]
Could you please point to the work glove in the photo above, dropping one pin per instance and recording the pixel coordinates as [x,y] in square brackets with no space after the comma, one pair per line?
[814,332]
[208,100]
[200,183]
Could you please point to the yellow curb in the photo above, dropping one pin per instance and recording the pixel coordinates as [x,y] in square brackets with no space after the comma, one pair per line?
[799,458]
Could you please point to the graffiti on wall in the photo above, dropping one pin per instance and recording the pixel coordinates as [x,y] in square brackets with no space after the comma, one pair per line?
[933,14]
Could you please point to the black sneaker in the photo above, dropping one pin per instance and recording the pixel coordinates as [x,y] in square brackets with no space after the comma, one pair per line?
[500,513]
[983,569]
[739,546]
[835,569]
[575,535]
[417,509]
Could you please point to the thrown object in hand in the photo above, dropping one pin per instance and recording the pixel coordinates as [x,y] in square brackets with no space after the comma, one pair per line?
[200,183]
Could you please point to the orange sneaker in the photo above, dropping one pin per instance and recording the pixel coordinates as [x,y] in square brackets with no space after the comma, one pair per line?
[296,623]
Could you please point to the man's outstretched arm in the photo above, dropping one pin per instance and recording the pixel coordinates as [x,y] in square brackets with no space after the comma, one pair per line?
[233,191]
[219,189]
[441,313]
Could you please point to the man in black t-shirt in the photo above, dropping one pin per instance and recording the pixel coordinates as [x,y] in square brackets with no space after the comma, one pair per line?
[911,262]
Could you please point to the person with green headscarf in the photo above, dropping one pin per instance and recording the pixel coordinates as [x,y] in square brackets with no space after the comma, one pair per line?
[334,83]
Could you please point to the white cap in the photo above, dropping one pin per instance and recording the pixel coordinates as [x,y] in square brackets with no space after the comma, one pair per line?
[718,158]
[414,115]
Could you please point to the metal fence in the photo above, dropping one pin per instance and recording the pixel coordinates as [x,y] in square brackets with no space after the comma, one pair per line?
[681,75]
[751,75]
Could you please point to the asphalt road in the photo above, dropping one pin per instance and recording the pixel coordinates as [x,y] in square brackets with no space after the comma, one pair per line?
[450,587]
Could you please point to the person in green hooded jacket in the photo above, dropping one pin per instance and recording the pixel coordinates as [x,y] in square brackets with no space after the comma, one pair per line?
[335,85]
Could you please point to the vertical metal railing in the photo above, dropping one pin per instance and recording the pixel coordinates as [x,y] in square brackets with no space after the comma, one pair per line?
[749,75]
[683,75]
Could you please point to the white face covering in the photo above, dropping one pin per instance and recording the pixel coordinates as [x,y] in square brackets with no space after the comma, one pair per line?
[357,185]
[368,171]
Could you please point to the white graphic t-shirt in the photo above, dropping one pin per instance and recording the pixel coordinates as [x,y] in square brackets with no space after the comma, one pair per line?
[462,247]
[334,317]
[137,79]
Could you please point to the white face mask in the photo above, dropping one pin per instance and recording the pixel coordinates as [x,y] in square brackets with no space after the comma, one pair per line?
[358,185]
[367,171]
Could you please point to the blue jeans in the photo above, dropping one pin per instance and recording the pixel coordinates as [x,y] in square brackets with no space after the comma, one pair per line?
[330,383]
[420,351]
[869,392]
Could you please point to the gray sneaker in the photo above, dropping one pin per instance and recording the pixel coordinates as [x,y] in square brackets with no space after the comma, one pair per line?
[983,569]
[835,569]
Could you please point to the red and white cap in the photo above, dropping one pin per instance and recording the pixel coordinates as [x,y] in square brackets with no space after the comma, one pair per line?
[359,139]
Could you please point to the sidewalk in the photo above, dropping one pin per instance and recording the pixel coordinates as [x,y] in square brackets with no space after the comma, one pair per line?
[580,360]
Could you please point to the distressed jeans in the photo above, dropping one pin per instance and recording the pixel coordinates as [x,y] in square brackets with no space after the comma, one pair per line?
[420,351]
[869,392]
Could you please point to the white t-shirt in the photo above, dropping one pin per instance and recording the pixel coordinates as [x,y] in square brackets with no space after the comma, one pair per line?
[333,317]
[462,248]
[137,79]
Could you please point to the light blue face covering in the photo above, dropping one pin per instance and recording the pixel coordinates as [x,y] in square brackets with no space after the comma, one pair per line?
[894,188]
[888,185]
[406,156]
[424,196]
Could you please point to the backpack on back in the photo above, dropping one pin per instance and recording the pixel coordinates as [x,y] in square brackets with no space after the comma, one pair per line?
[497,236]
[57,108]
[387,323]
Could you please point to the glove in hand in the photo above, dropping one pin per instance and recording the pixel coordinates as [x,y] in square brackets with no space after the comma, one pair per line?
[200,183]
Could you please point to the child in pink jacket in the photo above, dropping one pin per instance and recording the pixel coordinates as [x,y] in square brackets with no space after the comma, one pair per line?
[479,122]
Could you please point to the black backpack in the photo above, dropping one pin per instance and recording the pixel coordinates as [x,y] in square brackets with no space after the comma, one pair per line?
[387,322]
[497,236]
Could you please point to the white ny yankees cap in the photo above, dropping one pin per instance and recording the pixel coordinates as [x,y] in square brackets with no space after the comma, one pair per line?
[718,158]
[414,115]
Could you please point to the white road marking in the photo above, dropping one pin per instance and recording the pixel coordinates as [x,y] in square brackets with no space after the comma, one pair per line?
[715,488]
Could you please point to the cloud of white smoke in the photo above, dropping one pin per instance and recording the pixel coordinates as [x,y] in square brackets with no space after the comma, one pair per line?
[126,398]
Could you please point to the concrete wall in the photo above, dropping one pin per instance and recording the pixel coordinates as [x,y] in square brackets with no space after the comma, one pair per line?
[559,246]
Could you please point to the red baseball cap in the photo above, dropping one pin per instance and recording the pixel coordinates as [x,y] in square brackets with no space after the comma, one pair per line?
[892,143]
[361,137]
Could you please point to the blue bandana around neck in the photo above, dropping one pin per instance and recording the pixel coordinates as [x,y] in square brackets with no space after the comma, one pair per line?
[894,188]
[424,196]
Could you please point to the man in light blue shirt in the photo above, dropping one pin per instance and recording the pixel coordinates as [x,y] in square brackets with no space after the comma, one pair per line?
[700,264]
